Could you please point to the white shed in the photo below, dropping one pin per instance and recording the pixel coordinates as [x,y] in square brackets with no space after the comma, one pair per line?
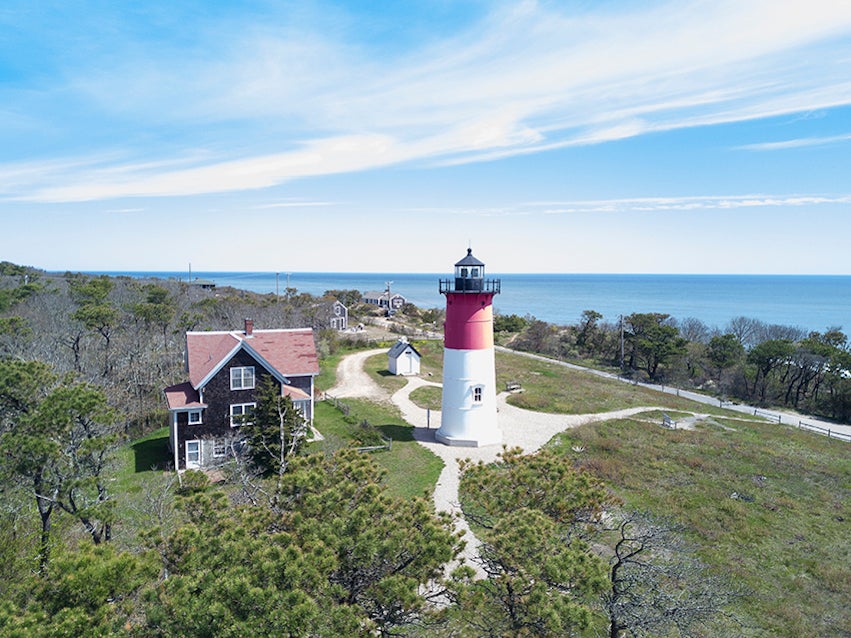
[403,358]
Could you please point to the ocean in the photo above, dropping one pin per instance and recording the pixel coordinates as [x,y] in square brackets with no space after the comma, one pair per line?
[811,302]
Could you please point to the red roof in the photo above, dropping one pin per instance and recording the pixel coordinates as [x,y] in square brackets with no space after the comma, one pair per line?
[183,395]
[289,352]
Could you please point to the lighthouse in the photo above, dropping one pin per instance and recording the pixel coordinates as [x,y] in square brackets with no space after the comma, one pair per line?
[468,413]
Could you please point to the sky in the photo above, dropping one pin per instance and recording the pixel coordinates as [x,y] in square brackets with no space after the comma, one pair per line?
[576,136]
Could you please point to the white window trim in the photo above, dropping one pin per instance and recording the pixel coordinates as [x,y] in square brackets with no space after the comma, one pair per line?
[186,453]
[240,383]
[224,448]
[198,413]
[243,406]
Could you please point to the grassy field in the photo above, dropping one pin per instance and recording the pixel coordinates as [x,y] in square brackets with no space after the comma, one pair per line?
[549,387]
[766,505]
[412,470]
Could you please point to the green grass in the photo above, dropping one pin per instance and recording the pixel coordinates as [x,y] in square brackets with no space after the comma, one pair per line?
[549,387]
[376,367]
[785,533]
[427,397]
[412,470]
[141,457]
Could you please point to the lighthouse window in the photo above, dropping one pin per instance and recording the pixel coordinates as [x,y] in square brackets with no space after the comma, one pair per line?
[477,394]
[475,272]
[463,272]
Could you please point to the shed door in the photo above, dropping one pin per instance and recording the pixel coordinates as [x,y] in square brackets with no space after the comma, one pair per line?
[193,455]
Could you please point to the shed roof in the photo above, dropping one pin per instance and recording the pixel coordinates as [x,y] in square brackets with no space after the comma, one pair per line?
[399,347]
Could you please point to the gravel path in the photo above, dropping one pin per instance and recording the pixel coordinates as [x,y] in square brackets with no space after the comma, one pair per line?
[520,428]
[353,382]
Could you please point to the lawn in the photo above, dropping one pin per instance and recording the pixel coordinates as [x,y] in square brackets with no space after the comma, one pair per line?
[412,470]
[766,505]
[428,397]
[550,387]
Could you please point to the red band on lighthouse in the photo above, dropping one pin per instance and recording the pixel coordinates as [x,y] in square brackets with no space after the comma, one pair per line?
[469,322]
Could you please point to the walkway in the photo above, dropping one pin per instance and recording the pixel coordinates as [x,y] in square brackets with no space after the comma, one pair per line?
[520,428]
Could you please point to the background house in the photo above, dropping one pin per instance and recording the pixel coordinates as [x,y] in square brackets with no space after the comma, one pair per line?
[225,368]
[388,300]
[403,358]
[334,315]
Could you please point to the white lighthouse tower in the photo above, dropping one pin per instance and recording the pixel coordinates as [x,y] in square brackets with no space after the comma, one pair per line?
[468,416]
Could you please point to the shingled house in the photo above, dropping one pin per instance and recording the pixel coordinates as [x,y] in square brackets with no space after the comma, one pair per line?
[225,368]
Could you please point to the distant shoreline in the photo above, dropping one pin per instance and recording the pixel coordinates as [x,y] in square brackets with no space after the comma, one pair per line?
[812,302]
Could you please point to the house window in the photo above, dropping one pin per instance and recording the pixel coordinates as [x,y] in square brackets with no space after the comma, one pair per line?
[241,413]
[242,378]
[195,417]
[477,394]
[219,449]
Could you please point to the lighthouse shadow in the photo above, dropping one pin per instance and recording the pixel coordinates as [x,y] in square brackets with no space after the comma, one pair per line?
[407,433]
[424,435]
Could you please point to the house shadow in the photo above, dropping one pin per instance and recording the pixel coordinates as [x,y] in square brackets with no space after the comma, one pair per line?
[151,454]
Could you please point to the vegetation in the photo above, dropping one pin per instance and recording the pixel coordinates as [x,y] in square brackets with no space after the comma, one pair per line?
[763,504]
[767,365]
[412,470]
[621,528]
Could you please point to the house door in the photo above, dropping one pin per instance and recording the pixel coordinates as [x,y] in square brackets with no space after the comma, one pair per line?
[193,455]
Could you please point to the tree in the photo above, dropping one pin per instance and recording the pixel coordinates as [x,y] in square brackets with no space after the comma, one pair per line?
[723,352]
[347,297]
[508,323]
[337,556]
[92,591]
[157,309]
[653,342]
[94,309]
[56,440]
[587,329]
[764,359]
[276,430]
[535,512]
[656,584]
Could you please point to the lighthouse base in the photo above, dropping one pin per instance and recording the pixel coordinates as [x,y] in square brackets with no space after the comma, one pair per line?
[468,413]
[461,442]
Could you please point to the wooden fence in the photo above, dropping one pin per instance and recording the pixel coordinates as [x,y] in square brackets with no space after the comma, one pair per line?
[344,407]
[831,434]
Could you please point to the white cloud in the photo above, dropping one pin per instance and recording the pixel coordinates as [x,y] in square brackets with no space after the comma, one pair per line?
[713,202]
[524,79]
[798,143]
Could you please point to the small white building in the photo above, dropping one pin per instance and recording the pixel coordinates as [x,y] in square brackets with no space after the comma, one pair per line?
[403,358]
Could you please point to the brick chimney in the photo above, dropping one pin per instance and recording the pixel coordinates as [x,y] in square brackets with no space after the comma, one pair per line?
[249,327]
